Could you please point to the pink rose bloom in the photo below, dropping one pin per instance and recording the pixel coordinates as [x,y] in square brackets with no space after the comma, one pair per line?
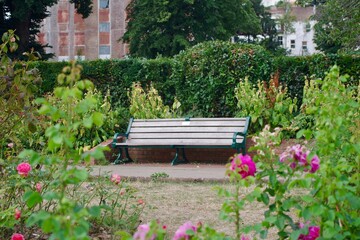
[314,233]
[141,232]
[315,164]
[17,236]
[244,237]
[115,178]
[297,156]
[38,187]
[17,214]
[24,169]
[181,232]
[245,167]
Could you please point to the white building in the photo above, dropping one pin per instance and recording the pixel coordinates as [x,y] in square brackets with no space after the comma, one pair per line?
[298,40]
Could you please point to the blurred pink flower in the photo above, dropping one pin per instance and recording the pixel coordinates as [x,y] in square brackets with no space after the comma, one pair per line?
[38,187]
[17,236]
[314,233]
[244,165]
[10,145]
[17,214]
[297,156]
[115,178]
[23,169]
[141,232]
[244,237]
[181,232]
[315,164]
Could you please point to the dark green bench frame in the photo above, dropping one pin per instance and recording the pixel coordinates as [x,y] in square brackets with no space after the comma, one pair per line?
[153,133]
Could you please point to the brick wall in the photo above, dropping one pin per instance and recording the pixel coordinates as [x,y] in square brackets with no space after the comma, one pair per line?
[165,155]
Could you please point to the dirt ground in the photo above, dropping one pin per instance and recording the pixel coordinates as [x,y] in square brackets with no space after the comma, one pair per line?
[172,204]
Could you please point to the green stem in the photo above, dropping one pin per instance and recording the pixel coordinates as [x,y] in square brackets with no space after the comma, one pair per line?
[237,211]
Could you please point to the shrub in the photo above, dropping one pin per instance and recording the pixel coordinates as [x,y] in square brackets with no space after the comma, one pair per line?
[206,74]
[147,105]
[267,105]
[293,71]
[48,194]
[18,85]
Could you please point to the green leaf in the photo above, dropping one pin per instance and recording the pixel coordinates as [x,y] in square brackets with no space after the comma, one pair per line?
[50,224]
[265,198]
[51,196]
[88,122]
[95,211]
[81,174]
[32,198]
[37,217]
[98,119]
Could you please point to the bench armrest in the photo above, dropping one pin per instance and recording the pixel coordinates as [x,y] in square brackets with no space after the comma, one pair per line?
[234,138]
[116,136]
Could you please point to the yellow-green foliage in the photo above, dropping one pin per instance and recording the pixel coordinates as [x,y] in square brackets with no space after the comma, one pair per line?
[149,105]
[266,105]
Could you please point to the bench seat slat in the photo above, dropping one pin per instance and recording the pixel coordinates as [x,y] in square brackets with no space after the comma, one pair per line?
[186,129]
[189,123]
[179,142]
[181,135]
[191,119]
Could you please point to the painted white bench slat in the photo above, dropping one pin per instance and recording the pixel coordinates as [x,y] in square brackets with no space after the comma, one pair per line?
[186,130]
[181,135]
[188,123]
[178,142]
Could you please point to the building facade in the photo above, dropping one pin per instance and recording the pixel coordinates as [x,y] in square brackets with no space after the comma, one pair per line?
[97,36]
[298,40]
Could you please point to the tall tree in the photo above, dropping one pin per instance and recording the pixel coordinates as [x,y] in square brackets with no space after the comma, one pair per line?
[167,26]
[268,26]
[337,28]
[25,18]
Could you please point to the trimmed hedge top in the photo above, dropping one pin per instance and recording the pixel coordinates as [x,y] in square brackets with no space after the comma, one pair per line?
[203,78]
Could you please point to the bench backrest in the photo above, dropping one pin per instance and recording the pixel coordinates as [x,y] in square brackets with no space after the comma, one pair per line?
[186,132]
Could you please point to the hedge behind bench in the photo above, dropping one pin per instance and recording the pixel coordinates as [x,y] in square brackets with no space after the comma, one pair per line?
[203,77]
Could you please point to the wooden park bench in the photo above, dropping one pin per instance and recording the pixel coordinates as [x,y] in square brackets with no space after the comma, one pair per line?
[182,133]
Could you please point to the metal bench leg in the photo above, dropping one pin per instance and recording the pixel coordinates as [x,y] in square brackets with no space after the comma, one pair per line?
[179,159]
[120,159]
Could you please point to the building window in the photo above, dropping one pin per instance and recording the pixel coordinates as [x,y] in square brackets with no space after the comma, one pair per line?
[104,50]
[104,3]
[280,40]
[307,27]
[292,43]
[304,45]
[104,27]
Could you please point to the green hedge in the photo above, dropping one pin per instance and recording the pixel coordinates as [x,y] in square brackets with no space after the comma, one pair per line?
[203,77]
[294,70]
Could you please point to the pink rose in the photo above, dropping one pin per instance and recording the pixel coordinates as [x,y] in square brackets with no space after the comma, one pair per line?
[141,232]
[24,169]
[314,233]
[181,232]
[17,214]
[297,155]
[115,178]
[38,187]
[244,165]
[244,237]
[315,164]
[17,236]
